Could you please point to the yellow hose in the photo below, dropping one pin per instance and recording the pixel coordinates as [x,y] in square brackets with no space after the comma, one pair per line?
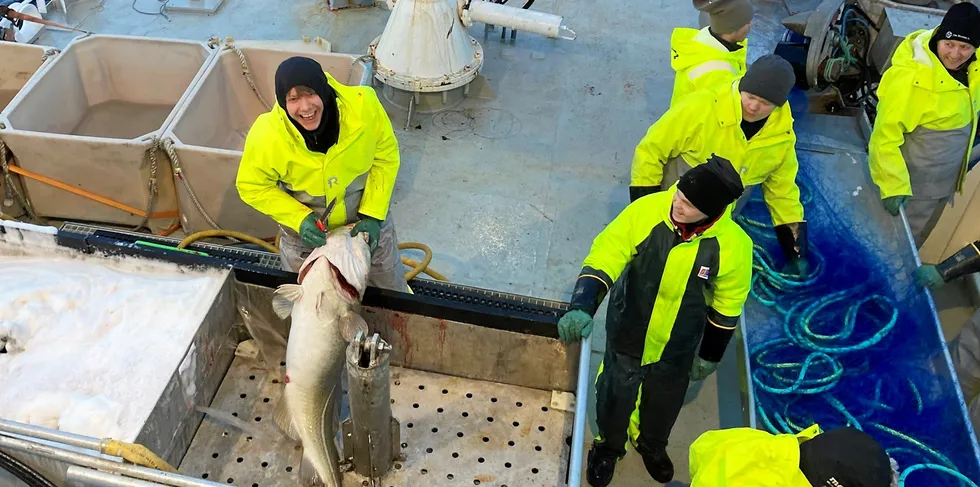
[417,267]
[5,217]
[134,453]
[226,233]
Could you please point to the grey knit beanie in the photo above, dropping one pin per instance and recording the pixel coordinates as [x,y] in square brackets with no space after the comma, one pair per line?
[729,16]
[771,78]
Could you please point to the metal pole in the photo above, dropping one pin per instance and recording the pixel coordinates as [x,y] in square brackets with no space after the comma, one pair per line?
[942,339]
[581,407]
[82,476]
[74,458]
[41,433]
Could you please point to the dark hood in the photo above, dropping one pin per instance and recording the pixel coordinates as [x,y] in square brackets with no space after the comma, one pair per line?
[303,71]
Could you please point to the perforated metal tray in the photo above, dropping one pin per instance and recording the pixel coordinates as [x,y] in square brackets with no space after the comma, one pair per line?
[454,432]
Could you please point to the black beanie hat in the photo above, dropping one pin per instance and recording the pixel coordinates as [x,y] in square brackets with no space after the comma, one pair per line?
[845,456]
[961,23]
[303,71]
[711,186]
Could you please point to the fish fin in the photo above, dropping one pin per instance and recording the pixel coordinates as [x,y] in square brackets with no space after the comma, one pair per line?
[353,324]
[284,421]
[284,298]
[308,473]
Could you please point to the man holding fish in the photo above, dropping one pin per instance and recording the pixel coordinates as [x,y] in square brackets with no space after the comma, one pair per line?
[325,156]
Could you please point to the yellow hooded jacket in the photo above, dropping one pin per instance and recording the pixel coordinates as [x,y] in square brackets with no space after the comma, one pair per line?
[926,123]
[281,178]
[701,62]
[747,457]
[706,123]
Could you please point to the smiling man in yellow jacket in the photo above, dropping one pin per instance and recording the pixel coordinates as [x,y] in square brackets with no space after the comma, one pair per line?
[715,55]
[747,122]
[747,457]
[322,142]
[927,119]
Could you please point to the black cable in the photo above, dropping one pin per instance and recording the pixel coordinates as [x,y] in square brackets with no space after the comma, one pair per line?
[23,472]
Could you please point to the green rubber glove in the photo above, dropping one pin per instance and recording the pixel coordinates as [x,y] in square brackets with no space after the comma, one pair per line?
[310,234]
[575,325]
[370,226]
[928,276]
[702,369]
[894,203]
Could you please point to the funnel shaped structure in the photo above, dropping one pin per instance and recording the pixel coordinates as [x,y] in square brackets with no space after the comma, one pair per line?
[425,48]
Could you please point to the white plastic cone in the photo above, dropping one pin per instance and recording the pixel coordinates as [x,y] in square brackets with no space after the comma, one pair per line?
[425,48]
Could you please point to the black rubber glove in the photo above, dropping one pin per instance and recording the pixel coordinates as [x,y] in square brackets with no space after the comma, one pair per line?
[793,240]
[965,261]
[637,192]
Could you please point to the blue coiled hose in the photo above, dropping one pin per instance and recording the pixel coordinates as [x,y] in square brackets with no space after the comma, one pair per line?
[825,336]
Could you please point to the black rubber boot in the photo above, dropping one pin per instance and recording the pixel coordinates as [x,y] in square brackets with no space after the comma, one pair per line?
[658,464]
[601,467]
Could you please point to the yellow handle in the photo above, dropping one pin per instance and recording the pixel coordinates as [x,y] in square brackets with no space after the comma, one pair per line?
[137,454]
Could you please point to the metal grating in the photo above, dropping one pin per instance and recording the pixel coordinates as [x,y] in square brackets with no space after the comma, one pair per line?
[454,432]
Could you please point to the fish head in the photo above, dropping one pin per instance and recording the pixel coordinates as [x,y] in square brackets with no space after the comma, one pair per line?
[349,260]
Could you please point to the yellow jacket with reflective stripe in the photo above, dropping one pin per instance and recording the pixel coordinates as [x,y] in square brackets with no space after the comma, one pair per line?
[918,92]
[712,269]
[277,170]
[702,62]
[706,122]
[747,457]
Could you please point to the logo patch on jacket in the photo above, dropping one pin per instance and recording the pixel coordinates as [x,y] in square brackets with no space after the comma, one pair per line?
[703,273]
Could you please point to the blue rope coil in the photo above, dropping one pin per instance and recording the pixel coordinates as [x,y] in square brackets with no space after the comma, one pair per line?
[824,338]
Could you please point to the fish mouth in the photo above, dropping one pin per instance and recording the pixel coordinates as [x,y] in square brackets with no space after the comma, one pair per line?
[346,288]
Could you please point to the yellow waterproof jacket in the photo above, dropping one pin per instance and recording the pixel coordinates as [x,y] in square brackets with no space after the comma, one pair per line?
[702,62]
[281,178]
[926,123]
[747,457]
[708,275]
[706,123]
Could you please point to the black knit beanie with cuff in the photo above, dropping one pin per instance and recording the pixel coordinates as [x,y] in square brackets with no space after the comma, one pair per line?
[711,186]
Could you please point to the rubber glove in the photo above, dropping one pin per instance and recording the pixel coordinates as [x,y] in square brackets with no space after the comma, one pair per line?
[575,325]
[370,226]
[702,369]
[797,267]
[310,234]
[928,276]
[894,203]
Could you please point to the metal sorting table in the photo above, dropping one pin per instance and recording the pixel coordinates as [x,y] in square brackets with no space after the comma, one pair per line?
[454,431]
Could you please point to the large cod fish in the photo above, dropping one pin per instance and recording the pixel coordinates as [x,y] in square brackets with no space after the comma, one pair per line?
[324,306]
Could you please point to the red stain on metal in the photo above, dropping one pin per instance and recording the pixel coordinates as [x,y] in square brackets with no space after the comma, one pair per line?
[399,324]
[287,378]
[442,333]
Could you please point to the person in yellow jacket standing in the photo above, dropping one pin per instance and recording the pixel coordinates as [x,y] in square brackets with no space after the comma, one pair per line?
[714,56]
[747,122]
[927,119]
[678,271]
[324,142]
[747,457]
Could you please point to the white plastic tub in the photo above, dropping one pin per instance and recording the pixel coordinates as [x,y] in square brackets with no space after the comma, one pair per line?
[88,119]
